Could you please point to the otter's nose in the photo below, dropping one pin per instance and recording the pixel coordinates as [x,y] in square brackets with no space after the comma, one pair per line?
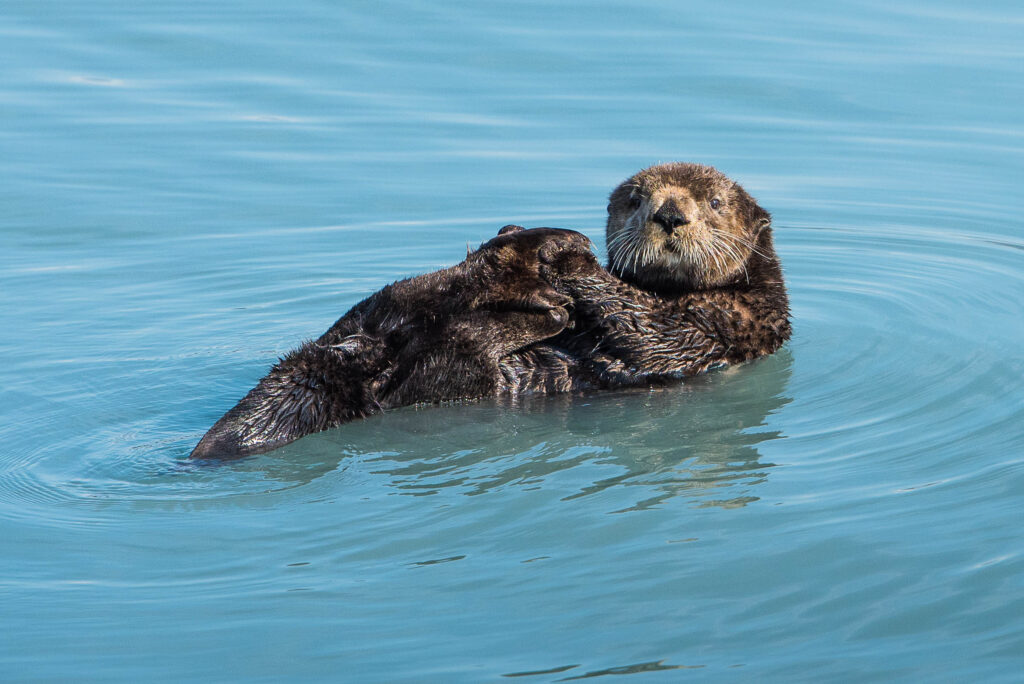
[669,216]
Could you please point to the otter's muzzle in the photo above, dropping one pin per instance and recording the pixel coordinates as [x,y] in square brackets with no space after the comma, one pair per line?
[670,216]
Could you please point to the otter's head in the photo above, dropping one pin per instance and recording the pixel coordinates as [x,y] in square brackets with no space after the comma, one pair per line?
[679,226]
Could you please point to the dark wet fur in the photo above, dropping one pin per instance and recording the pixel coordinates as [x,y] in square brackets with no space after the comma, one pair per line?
[436,337]
[531,311]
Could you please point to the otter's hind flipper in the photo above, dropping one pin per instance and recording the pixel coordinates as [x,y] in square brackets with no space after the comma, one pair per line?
[313,388]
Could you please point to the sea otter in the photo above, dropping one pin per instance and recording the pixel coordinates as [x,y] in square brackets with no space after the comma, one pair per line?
[692,282]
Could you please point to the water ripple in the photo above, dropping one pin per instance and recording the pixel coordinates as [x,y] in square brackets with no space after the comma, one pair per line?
[886,315]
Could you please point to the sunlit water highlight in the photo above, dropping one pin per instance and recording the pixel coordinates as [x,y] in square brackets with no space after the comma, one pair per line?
[189,190]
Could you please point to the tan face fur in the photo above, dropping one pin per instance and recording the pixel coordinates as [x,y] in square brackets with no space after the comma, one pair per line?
[682,227]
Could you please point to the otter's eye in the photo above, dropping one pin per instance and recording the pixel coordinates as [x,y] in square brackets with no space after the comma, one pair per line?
[715,203]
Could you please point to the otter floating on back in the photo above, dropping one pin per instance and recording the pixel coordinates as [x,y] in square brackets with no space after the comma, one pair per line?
[692,283]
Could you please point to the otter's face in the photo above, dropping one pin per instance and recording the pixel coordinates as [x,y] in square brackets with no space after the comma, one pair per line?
[682,227]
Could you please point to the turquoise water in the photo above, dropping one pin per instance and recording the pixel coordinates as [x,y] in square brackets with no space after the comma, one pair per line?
[188,190]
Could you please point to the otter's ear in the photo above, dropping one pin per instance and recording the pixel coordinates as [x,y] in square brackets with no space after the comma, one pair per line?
[620,195]
[758,218]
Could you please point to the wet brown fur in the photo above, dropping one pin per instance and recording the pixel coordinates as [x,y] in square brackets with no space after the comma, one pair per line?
[532,311]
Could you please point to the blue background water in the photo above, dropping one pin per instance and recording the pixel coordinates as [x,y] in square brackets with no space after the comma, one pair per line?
[189,189]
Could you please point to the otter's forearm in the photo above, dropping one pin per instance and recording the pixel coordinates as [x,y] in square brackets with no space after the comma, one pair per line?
[635,336]
[640,338]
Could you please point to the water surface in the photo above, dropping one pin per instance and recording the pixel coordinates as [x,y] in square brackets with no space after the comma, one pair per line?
[190,189]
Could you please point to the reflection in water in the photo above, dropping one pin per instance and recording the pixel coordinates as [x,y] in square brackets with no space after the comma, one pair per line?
[657,666]
[697,440]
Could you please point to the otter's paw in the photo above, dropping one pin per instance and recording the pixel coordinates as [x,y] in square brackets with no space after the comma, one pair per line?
[560,259]
[506,271]
[515,245]
[568,269]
